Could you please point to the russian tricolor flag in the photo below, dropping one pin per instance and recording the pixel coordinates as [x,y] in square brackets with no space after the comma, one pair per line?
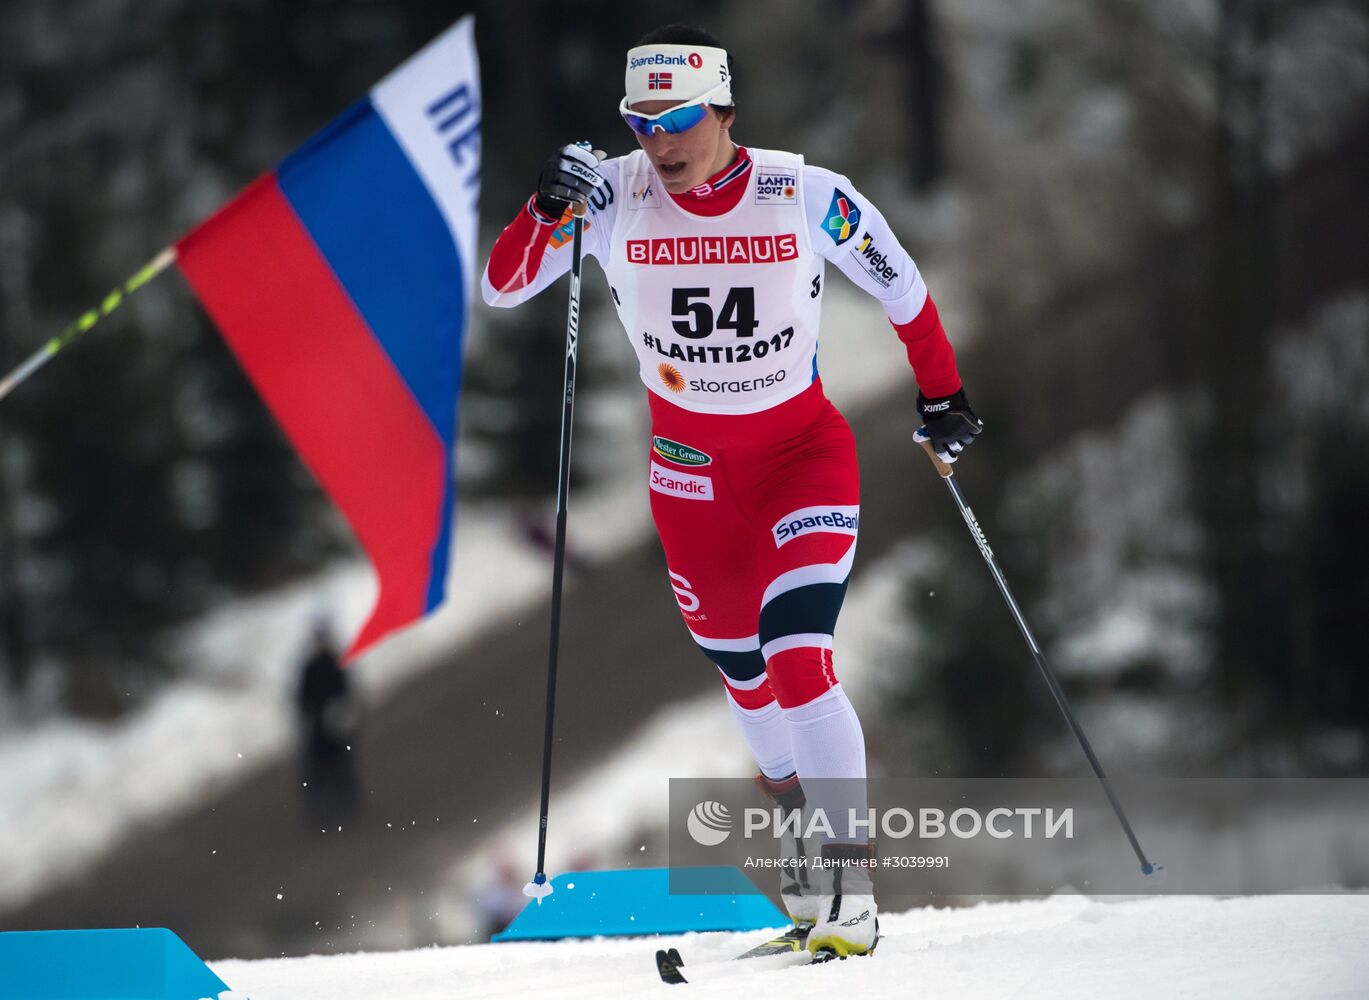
[342,281]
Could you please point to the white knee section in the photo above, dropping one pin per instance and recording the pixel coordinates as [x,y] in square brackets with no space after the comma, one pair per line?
[826,736]
[829,744]
[767,733]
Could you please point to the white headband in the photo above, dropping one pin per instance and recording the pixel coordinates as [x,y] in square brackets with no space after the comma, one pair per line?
[679,73]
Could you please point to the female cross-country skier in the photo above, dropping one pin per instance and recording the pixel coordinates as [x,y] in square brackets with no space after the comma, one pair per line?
[714,255]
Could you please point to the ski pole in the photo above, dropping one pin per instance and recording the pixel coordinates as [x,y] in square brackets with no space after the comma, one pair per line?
[539,888]
[948,477]
[86,320]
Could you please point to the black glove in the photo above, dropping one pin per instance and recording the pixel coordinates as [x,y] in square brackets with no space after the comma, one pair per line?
[950,423]
[570,174]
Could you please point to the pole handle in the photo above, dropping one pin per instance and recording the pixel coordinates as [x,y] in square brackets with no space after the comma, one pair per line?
[942,469]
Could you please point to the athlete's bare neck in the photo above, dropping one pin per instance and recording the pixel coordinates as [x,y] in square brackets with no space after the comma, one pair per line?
[727,155]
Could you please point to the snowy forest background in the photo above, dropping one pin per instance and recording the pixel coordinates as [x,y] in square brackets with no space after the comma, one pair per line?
[1151,219]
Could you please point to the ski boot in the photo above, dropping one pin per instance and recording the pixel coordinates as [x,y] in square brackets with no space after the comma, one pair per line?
[799,895]
[847,919]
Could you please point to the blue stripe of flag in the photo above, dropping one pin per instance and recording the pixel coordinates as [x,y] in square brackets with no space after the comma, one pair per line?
[382,233]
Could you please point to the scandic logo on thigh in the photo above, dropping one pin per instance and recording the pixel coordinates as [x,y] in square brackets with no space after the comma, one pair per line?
[714,250]
[681,484]
[836,520]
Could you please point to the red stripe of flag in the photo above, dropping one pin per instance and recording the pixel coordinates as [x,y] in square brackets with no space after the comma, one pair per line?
[334,391]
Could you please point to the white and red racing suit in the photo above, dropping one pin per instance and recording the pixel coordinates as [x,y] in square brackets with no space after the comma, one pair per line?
[752,471]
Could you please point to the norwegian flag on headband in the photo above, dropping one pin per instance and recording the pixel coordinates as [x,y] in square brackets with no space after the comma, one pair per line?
[658,81]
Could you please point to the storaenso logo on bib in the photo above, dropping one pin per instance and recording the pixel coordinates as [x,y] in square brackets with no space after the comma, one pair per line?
[681,454]
[680,484]
[806,520]
[736,385]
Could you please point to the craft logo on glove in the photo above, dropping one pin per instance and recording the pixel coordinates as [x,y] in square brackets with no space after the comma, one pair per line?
[584,172]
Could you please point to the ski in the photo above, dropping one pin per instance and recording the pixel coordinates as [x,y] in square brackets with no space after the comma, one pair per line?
[668,966]
[791,942]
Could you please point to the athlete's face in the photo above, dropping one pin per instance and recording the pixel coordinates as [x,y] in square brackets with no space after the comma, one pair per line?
[687,159]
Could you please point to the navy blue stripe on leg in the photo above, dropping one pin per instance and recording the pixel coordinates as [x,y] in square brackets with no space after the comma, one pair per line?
[808,609]
[740,660]
[736,666]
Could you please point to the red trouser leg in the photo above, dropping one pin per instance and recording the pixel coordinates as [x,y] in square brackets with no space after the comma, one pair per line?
[713,554]
[811,511]
[759,540]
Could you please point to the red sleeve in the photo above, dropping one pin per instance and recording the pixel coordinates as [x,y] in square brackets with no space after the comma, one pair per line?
[929,352]
[518,252]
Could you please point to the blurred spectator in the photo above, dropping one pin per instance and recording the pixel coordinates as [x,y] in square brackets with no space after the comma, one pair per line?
[330,719]
[538,529]
[499,900]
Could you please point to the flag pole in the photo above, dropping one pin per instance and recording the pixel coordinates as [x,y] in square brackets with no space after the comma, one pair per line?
[87,320]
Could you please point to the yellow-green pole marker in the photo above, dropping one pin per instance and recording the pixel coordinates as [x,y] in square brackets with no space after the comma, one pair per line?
[86,320]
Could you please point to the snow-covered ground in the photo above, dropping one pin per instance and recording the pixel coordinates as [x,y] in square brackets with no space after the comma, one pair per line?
[70,789]
[1260,948]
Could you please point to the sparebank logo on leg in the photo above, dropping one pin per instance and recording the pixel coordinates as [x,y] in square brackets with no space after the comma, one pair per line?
[806,520]
[680,484]
[709,823]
